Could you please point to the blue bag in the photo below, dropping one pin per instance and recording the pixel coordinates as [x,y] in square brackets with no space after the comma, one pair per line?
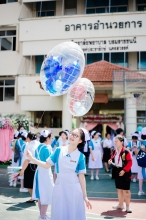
[141,158]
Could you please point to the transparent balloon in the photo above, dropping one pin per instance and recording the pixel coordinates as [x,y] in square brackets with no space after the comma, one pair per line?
[62,67]
[80,97]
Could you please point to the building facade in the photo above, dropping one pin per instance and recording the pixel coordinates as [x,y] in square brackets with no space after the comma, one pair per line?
[108,30]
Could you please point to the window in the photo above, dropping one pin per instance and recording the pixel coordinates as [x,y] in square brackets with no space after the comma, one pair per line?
[7,90]
[7,1]
[93,57]
[141,118]
[8,40]
[70,7]
[38,63]
[141,5]
[141,60]
[116,58]
[50,119]
[102,6]
[120,59]
[45,9]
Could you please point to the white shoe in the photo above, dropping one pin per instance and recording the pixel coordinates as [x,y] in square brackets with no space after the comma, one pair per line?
[141,193]
[97,178]
[23,190]
[11,184]
[128,210]
[92,178]
[47,218]
[118,207]
[14,184]
[134,180]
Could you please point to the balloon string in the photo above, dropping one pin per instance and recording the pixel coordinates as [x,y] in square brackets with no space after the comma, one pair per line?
[41,119]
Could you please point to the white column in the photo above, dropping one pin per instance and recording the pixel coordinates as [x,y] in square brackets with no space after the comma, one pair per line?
[131,118]
[66,116]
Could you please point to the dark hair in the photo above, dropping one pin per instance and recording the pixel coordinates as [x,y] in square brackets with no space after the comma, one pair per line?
[82,137]
[120,138]
[94,134]
[35,124]
[119,130]
[43,139]
[107,134]
[15,137]
[19,135]
[23,138]
[63,132]
[31,136]
[135,137]
[143,137]
[136,132]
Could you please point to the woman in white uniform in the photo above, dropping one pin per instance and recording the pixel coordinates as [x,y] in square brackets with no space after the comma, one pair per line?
[95,158]
[133,145]
[69,191]
[63,139]
[43,180]
[107,145]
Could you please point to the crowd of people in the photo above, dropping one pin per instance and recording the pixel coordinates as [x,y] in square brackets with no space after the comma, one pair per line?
[70,155]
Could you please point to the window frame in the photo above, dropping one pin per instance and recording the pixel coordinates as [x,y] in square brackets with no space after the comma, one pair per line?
[140,4]
[47,10]
[7,86]
[106,8]
[8,36]
[7,2]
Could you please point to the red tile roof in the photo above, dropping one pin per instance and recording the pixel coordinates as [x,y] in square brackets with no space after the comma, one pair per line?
[101,71]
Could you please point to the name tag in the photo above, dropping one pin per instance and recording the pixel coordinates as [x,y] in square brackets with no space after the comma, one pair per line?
[73,161]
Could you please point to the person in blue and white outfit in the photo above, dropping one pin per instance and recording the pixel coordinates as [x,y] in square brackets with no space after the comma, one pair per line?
[69,191]
[140,174]
[19,149]
[28,167]
[95,158]
[12,146]
[63,139]
[43,180]
[133,145]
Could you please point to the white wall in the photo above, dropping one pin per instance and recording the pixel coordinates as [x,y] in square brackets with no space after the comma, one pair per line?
[41,103]
[51,28]
[9,62]
[9,13]
[27,86]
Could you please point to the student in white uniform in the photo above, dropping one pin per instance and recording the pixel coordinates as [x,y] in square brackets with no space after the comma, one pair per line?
[140,176]
[95,158]
[69,191]
[43,180]
[29,168]
[133,145]
[107,145]
[63,139]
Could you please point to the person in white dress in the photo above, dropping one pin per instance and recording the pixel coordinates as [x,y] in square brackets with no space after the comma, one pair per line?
[12,145]
[133,145]
[63,139]
[43,180]
[107,145]
[69,191]
[95,158]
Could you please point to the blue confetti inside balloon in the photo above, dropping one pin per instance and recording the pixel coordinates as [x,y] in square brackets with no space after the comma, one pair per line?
[63,66]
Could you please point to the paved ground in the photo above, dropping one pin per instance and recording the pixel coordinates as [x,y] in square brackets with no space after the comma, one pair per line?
[102,194]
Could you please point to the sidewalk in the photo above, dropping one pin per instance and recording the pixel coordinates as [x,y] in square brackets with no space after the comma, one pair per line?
[13,206]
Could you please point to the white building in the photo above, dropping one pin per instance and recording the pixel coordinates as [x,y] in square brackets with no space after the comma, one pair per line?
[105,29]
